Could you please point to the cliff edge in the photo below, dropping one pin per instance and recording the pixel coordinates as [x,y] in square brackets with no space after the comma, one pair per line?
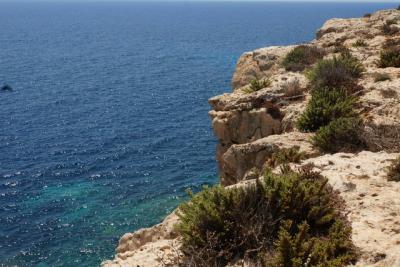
[260,118]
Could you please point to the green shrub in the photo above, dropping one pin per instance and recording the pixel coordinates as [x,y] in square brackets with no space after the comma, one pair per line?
[325,106]
[341,135]
[388,29]
[391,21]
[390,57]
[337,72]
[287,155]
[388,93]
[393,173]
[380,77]
[257,84]
[341,49]
[391,42]
[301,57]
[302,249]
[219,224]
[292,89]
[367,15]
[360,43]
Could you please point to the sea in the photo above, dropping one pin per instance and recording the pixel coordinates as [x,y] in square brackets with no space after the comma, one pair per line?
[107,124]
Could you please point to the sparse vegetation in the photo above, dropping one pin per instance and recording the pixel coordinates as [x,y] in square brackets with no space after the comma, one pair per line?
[287,155]
[340,135]
[391,42]
[388,28]
[341,49]
[390,54]
[338,72]
[391,21]
[301,57]
[326,105]
[302,249]
[266,222]
[367,15]
[331,110]
[257,84]
[388,93]
[390,57]
[360,43]
[381,77]
[292,89]
[393,172]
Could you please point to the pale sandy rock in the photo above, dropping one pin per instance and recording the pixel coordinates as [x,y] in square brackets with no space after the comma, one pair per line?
[292,113]
[340,30]
[240,118]
[149,247]
[237,117]
[246,161]
[241,127]
[240,99]
[381,110]
[244,126]
[258,64]
[159,253]
[132,241]
[372,202]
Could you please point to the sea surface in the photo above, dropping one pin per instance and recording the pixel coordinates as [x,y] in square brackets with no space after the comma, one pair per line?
[107,125]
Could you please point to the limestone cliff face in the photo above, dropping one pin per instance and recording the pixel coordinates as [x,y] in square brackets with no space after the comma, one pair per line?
[242,118]
[250,126]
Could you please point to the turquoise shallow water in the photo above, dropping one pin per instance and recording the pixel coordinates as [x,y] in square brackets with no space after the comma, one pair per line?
[108,125]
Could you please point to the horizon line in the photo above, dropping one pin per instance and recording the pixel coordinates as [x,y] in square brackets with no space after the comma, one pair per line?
[208,1]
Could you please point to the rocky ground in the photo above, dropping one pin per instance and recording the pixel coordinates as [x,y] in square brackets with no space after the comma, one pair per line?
[250,126]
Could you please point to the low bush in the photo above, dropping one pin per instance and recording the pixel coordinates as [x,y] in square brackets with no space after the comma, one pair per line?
[341,135]
[292,89]
[380,77]
[326,105]
[388,93]
[388,28]
[391,42]
[338,72]
[257,84]
[302,249]
[262,221]
[367,15]
[341,49]
[393,173]
[301,57]
[391,21]
[390,57]
[286,155]
[360,43]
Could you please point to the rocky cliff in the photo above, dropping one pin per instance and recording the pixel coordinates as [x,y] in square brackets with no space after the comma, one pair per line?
[251,125]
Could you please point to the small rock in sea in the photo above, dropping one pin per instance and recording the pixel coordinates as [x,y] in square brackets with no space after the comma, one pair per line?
[6,87]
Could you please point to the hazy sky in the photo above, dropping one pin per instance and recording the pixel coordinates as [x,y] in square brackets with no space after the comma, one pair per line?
[342,1]
[353,1]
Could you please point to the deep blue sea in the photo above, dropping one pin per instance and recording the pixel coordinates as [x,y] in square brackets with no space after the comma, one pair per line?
[107,124]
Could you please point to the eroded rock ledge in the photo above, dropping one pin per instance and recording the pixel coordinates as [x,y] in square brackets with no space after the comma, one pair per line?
[251,126]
